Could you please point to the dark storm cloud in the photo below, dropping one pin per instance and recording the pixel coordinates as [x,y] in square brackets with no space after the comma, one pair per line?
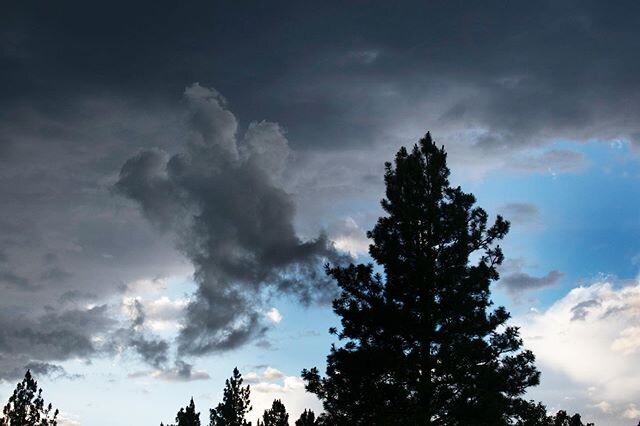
[346,73]
[51,370]
[28,342]
[223,199]
[84,85]
[520,281]
[65,239]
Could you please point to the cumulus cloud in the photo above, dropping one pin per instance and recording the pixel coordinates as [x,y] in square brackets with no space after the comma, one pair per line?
[274,315]
[220,197]
[273,383]
[272,374]
[349,236]
[595,325]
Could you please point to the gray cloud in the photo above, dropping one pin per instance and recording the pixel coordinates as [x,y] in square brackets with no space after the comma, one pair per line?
[152,350]
[14,369]
[27,342]
[495,82]
[521,213]
[181,372]
[51,370]
[518,282]
[222,200]
[553,161]
[581,310]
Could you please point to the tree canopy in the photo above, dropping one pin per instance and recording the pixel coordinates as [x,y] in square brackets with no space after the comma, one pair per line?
[235,404]
[307,418]
[26,406]
[421,344]
[275,416]
[187,416]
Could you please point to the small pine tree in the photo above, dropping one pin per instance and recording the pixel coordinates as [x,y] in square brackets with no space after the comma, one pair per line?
[26,407]
[307,418]
[187,416]
[275,416]
[235,404]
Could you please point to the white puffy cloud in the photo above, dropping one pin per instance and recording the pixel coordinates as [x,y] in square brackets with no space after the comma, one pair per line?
[272,374]
[631,412]
[165,313]
[591,336]
[66,419]
[272,384]
[290,390]
[160,314]
[274,315]
[348,236]
[604,406]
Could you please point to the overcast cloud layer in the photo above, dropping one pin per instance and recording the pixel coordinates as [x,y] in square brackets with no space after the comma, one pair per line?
[125,174]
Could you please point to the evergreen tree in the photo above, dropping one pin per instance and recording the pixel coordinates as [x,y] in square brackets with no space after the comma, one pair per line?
[26,407]
[563,419]
[307,418]
[422,346]
[275,416]
[533,414]
[187,416]
[235,404]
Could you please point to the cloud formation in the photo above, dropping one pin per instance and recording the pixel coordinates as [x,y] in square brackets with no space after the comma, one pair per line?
[595,325]
[181,372]
[272,384]
[521,281]
[27,342]
[221,198]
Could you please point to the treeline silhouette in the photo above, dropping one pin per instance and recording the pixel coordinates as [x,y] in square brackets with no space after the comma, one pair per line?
[422,343]
[234,407]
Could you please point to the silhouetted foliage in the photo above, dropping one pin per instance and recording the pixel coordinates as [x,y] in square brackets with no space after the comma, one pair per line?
[421,345]
[187,416]
[26,407]
[307,418]
[532,414]
[235,404]
[563,419]
[535,414]
[275,416]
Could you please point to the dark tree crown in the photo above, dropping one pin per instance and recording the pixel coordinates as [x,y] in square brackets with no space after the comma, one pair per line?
[235,404]
[275,416]
[307,418]
[26,406]
[421,345]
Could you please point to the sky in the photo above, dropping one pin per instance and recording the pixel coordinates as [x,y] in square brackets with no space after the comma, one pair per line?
[174,175]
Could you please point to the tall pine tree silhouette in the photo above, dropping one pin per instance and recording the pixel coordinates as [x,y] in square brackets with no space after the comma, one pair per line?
[235,404]
[26,407]
[421,344]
